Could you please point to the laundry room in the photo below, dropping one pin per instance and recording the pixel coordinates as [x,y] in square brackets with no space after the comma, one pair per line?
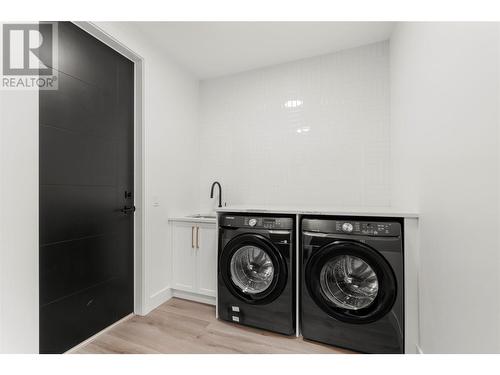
[264,187]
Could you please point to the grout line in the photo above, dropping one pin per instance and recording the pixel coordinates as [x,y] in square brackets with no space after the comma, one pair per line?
[79,291]
[76,239]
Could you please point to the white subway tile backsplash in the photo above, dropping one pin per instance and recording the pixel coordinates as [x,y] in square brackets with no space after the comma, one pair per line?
[314,132]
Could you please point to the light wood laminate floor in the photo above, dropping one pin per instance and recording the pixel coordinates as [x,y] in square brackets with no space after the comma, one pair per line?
[180,326]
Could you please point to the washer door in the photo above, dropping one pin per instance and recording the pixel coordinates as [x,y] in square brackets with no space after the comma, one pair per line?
[253,269]
[351,282]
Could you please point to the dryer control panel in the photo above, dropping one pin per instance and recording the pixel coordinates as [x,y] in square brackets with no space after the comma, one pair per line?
[260,222]
[355,227]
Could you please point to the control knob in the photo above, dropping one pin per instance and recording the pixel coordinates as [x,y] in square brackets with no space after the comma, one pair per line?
[252,222]
[347,227]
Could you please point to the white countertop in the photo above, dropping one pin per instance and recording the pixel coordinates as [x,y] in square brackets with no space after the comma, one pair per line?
[190,219]
[338,211]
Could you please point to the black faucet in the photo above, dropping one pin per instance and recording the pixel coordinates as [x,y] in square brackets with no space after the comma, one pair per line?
[220,192]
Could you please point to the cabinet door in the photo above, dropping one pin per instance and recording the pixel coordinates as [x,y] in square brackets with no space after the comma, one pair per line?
[184,256]
[206,260]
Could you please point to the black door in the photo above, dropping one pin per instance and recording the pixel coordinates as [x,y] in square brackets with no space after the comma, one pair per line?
[351,282]
[253,268]
[86,179]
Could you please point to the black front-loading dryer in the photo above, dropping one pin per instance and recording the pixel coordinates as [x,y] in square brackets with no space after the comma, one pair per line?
[256,271]
[352,283]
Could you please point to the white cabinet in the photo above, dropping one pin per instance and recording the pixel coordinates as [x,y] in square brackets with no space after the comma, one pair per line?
[206,260]
[183,256]
[194,259]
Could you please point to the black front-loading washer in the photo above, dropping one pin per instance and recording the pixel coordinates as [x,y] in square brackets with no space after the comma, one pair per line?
[256,271]
[352,276]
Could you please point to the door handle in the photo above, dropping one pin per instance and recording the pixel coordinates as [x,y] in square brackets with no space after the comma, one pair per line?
[192,237]
[197,237]
[128,210]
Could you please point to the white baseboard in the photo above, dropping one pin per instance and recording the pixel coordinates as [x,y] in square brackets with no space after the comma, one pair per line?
[193,297]
[157,299]
[167,293]
[163,295]
[83,343]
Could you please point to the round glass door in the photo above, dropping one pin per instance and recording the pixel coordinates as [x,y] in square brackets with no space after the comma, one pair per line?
[349,282]
[252,270]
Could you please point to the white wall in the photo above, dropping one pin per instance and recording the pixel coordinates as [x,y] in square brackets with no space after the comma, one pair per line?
[251,144]
[18,221]
[171,151]
[445,117]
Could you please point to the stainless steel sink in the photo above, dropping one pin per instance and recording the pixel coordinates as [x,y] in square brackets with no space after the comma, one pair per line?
[200,216]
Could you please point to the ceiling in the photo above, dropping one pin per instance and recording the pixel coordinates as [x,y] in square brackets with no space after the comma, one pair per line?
[213,49]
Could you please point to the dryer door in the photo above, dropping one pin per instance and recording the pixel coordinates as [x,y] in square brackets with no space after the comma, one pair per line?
[351,282]
[253,269]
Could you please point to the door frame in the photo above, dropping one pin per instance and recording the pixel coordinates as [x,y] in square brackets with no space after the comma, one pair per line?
[139,189]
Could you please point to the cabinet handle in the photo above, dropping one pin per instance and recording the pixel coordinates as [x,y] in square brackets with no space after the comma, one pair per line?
[197,237]
[192,237]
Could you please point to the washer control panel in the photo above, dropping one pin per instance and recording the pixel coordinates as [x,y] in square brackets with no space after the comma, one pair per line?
[260,222]
[264,222]
[367,228]
[354,227]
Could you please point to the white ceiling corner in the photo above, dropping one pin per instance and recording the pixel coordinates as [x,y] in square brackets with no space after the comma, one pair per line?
[213,49]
